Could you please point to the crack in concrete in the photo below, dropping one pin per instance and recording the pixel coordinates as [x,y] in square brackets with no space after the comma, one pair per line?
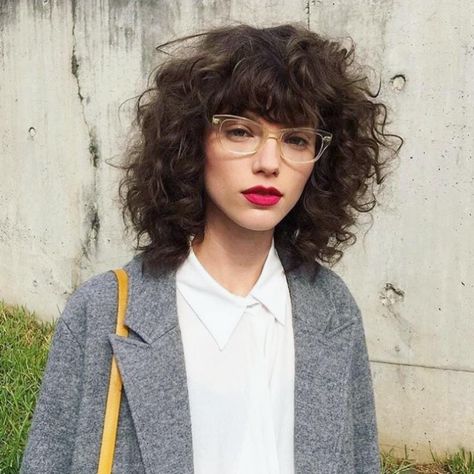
[424,366]
[93,219]
[398,291]
[93,231]
[75,65]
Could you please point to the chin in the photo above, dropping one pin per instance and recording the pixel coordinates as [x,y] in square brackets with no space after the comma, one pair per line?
[259,228]
[258,224]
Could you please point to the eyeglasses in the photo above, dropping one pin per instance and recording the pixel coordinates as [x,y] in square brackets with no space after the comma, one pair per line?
[244,136]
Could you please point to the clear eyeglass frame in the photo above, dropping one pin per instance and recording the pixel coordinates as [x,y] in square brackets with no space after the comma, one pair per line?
[218,121]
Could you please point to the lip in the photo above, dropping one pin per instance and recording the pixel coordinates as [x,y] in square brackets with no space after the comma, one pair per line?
[262,196]
[262,190]
[262,199]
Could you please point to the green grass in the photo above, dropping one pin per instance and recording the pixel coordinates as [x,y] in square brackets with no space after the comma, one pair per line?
[461,462]
[391,465]
[24,346]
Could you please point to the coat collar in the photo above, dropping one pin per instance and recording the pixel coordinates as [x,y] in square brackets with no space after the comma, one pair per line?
[154,376]
[152,299]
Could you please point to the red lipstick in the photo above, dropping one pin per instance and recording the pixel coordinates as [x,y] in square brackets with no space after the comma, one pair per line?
[262,196]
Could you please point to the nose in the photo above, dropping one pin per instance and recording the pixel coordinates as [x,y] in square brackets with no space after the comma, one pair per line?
[267,159]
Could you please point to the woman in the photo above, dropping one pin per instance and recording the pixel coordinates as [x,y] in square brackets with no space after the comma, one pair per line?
[258,148]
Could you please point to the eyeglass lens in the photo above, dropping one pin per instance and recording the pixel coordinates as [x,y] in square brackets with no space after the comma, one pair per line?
[242,136]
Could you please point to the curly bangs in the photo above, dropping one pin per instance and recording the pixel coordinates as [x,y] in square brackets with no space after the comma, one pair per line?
[286,74]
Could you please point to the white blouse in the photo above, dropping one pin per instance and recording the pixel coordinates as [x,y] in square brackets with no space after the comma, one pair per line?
[239,356]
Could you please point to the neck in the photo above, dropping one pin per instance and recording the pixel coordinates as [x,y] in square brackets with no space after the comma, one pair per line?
[232,255]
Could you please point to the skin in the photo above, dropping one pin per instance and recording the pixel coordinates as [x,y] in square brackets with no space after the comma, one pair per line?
[238,234]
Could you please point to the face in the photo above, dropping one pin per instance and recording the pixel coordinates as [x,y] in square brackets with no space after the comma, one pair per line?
[228,176]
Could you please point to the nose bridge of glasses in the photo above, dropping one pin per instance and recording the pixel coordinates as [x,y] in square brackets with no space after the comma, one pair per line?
[275,152]
[267,133]
[275,137]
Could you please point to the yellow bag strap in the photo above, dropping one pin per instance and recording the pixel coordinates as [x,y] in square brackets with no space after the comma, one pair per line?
[112,408]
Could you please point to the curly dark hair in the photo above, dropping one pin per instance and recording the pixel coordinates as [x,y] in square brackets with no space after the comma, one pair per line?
[286,74]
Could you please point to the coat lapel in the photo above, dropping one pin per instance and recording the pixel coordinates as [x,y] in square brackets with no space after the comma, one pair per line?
[151,361]
[322,366]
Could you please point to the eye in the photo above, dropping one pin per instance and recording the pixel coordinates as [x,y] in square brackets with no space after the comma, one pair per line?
[297,140]
[237,132]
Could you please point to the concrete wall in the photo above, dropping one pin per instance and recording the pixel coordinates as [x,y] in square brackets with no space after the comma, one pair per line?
[65,69]
[413,273]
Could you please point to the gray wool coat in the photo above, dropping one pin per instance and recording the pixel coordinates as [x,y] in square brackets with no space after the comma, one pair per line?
[335,427]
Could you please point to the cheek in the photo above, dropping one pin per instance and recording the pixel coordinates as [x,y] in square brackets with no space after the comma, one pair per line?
[301,181]
[211,167]
[213,171]
[219,175]
[220,169]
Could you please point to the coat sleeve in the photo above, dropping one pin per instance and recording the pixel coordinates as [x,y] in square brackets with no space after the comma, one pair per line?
[51,437]
[364,426]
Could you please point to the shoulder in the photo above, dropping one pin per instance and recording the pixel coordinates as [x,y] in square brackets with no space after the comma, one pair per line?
[93,305]
[336,296]
[337,288]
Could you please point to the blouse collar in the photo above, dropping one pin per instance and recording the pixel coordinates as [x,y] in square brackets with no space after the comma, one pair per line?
[219,309]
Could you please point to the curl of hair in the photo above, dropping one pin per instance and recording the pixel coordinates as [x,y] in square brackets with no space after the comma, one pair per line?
[287,74]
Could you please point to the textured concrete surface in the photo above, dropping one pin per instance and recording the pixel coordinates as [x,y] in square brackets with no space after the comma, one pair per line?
[412,274]
[66,71]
